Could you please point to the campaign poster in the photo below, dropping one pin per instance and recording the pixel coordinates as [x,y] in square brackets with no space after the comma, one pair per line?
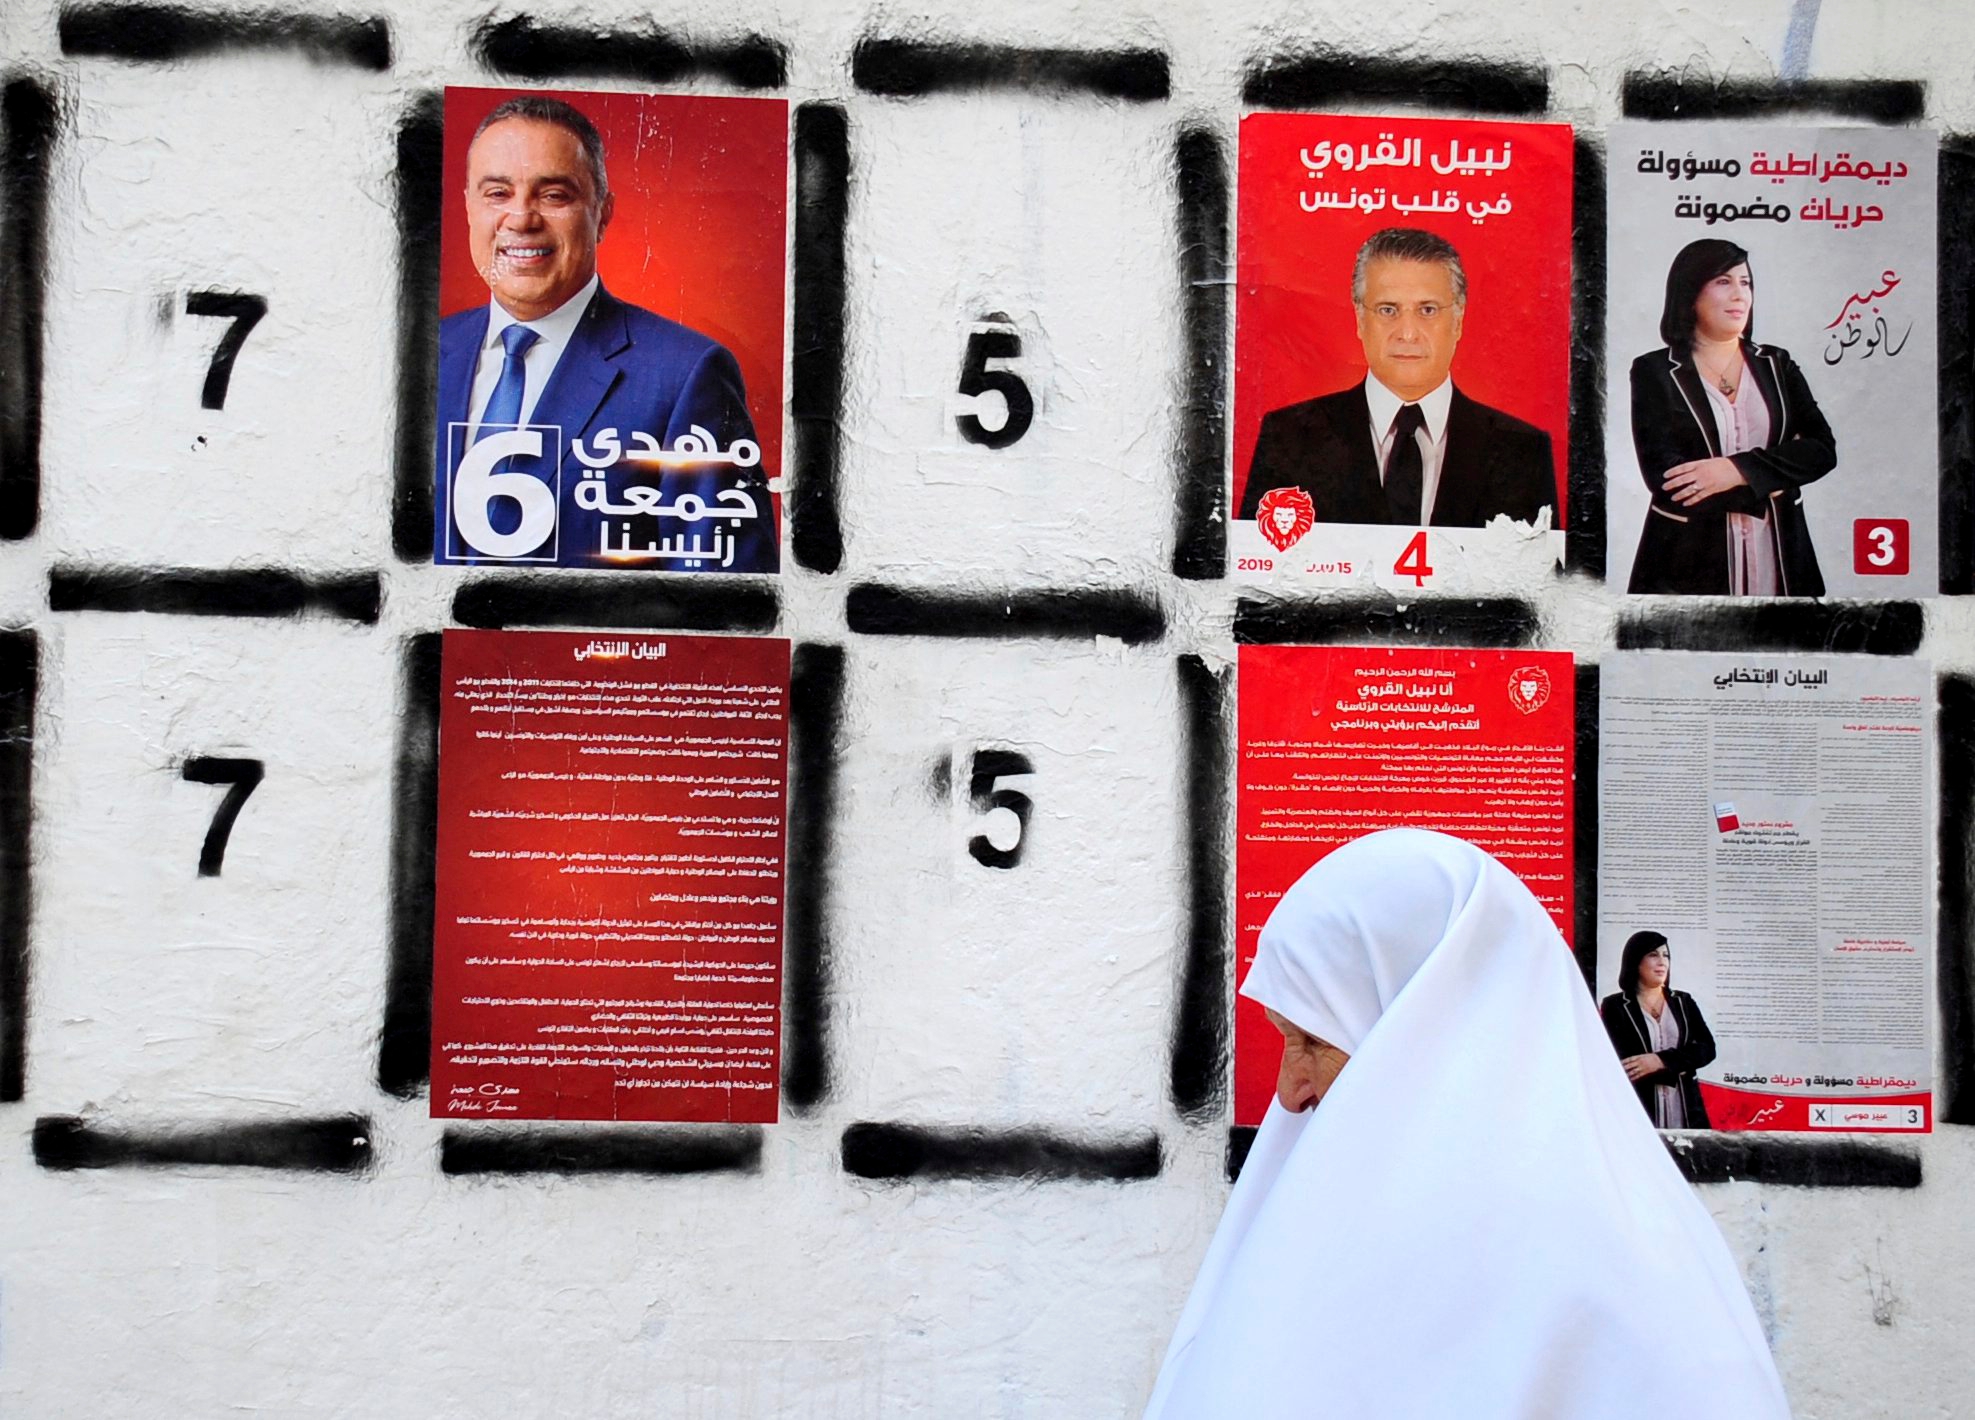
[1402,352]
[1766,877]
[611,334]
[1337,742]
[607,938]
[1770,318]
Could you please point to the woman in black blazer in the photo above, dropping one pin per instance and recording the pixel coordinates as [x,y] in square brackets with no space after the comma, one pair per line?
[1645,1013]
[1727,435]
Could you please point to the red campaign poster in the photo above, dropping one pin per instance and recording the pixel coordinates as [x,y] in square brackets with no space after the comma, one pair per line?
[671,383]
[608,927]
[1338,742]
[1399,263]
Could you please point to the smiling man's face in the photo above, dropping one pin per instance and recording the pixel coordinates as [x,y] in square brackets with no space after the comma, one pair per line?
[533,215]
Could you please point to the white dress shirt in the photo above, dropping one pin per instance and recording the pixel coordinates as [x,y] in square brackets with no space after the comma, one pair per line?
[1385,406]
[555,330]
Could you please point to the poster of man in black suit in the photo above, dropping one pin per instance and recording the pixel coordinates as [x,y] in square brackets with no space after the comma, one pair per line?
[1404,445]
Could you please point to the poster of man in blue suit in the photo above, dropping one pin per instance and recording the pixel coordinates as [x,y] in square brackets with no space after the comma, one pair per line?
[576,428]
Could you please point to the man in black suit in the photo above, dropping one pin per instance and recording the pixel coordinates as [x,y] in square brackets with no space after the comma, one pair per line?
[1403,445]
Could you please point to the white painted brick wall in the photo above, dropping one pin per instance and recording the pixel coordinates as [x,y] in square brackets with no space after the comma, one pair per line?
[1042,995]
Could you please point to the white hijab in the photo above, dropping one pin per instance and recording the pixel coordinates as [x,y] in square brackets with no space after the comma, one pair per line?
[1478,1221]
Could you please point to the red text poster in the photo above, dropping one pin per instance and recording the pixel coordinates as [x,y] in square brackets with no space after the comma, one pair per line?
[608,927]
[1338,742]
[1394,269]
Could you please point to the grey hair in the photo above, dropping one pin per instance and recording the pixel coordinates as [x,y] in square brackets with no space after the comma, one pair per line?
[1408,244]
[565,116]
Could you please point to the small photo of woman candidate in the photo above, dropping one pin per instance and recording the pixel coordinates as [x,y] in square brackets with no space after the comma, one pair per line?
[1727,435]
[1659,1033]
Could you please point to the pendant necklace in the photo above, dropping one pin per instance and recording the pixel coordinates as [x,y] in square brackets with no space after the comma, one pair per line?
[1721,380]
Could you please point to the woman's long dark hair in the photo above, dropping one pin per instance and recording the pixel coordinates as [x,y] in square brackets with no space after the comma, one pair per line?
[1698,263]
[1641,944]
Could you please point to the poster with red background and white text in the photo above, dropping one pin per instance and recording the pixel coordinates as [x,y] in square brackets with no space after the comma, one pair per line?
[1313,189]
[1338,742]
[608,920]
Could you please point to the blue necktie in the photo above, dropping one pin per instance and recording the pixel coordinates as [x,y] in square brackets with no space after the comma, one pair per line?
[504,407]
[504,404]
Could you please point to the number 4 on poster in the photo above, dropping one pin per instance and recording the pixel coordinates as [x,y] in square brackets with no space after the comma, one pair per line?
[1412,562]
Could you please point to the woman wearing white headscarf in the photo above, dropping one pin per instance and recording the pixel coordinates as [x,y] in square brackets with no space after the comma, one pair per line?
[1478,1223]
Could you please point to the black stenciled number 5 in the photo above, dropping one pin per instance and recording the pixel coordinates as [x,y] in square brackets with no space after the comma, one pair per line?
[243,775]
[976,379]
[990,765]
[245,312]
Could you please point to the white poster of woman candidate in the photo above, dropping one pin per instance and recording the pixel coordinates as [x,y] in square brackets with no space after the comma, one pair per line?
[1770,405]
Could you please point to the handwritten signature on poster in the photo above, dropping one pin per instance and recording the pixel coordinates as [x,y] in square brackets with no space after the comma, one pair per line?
[1851,325]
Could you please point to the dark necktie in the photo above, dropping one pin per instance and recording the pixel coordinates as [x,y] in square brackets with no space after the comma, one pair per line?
[504,404]
[1404,473]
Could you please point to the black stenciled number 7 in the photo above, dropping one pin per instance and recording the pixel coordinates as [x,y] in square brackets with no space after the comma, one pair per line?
[245,312]
[976,378]
[988,766]
[242,775]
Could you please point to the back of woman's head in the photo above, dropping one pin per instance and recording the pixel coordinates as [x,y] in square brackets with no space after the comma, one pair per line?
[1352,931]
[1698,263]
[1481,1141]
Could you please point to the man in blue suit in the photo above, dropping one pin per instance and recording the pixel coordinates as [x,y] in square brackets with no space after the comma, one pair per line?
[554,348]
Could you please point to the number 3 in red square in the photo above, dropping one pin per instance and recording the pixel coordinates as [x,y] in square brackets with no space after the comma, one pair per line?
[1880,547]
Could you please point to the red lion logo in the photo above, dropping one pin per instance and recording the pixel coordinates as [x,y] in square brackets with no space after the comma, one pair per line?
[1529,688]
[1284,515]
